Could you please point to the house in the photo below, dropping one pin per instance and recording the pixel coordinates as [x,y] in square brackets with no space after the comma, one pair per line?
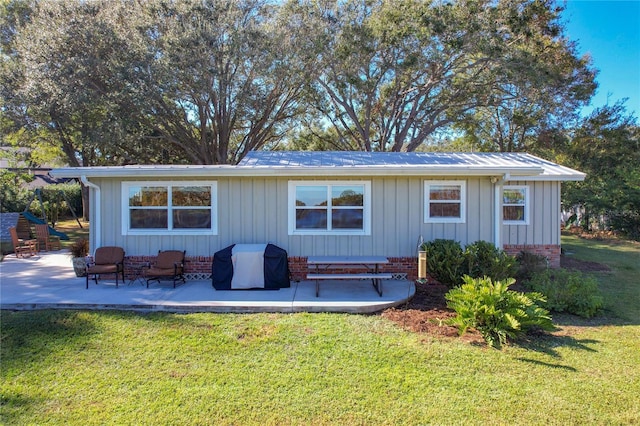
[329,203]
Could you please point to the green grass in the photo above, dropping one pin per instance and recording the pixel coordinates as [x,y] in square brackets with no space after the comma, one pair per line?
[78,367]
[73,230]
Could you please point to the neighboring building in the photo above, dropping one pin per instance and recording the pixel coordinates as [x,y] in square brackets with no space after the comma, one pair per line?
[40,177]
[329,203]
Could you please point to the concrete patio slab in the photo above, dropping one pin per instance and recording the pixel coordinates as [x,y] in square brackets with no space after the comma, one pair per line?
[47,281]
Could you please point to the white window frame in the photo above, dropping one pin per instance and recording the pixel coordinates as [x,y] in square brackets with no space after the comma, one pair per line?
[126,226]
[527,202]
[366,206]
[463,201]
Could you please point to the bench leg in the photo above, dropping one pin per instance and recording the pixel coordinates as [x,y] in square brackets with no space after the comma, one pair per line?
[377,284]
[317,287]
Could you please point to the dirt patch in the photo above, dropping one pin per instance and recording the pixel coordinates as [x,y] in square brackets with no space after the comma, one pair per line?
[569,262]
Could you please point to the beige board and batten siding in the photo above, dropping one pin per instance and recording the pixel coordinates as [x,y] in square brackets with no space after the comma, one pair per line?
[255,210]
[544,216]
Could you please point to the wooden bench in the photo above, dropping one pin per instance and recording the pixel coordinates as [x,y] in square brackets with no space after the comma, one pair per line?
[323,264]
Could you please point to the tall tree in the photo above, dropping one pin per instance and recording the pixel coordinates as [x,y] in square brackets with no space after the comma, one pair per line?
[544,85]
[221,77]
[66,81]
[392,73]
[172,81]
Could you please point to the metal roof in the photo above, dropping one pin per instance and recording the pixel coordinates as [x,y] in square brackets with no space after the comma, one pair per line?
[513,166]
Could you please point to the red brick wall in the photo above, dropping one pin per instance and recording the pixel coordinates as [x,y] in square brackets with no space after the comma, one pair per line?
[550,251]
[298,268]
[298,264]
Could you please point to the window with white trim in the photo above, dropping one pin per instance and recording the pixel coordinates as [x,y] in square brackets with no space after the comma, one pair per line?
[169,208]
[515,205]
[445,201]
[329,208]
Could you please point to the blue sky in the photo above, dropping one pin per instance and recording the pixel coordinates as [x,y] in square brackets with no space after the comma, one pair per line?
[609,30]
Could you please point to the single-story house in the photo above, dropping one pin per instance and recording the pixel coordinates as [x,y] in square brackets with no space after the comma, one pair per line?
[328,203]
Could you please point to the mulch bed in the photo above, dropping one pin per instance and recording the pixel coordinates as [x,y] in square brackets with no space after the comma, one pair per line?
[427,311]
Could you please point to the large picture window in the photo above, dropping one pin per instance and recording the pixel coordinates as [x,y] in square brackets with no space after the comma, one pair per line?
[515,205]
[335,208]
[168,208]
[444,201]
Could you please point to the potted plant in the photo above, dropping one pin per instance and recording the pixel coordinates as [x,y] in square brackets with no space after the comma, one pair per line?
[79,251]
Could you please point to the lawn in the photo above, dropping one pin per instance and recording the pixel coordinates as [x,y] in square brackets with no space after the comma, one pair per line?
[79,367]
[73,230]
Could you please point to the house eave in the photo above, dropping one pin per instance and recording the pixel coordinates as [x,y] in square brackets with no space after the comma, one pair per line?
[288,171]
[574,177]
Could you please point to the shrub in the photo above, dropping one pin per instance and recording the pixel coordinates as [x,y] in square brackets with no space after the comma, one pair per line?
[530,264]
[495,311]
[445,261]
[484,259]
[568,291]
[79,248]
[14,196]
[448,263]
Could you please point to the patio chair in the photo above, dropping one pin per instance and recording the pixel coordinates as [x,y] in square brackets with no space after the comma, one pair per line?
[47,241]
[169,265]
[107,260]
[22,246]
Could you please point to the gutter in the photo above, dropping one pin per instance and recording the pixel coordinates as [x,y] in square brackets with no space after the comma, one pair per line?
[95,223]
[497,204]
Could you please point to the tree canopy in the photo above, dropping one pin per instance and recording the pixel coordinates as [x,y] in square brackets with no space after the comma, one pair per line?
[607,148]
[192,81]
[187,81]
[390,75]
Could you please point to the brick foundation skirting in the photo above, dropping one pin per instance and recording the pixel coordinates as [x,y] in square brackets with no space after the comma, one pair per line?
[199,267]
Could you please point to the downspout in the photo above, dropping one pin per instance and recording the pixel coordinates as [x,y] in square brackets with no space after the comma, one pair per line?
[96,217]
[497,204]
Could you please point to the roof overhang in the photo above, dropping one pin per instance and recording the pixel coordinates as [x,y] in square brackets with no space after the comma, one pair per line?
[289,171]
[510,166]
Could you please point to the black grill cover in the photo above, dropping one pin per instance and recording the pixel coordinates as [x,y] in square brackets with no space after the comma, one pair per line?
[276,268]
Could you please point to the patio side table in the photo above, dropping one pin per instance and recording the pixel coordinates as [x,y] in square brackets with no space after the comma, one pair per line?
[138,275]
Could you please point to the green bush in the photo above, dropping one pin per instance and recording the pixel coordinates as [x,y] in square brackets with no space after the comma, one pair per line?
[445,261]
[568,291]
[530,264]
[484,259]
[14,197]
[495,311]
